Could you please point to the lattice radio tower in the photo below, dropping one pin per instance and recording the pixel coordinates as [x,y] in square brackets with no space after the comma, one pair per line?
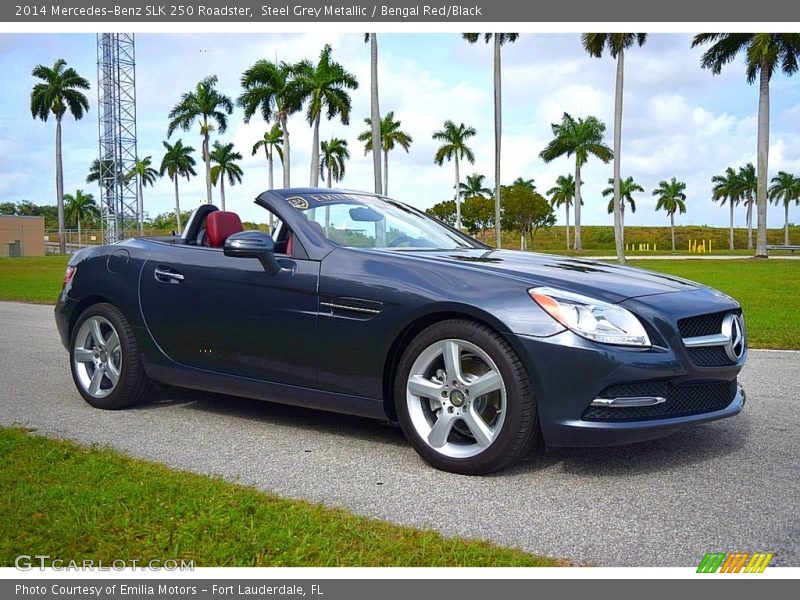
[116,101]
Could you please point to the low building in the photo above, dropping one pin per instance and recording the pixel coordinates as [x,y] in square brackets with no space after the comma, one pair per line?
[21,236]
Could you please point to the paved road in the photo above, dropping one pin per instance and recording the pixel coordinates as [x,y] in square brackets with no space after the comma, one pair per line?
[729,486]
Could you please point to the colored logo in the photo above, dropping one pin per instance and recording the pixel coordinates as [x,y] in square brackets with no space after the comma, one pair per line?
[734,562]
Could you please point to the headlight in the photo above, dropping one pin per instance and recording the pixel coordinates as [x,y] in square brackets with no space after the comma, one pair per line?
[591,318]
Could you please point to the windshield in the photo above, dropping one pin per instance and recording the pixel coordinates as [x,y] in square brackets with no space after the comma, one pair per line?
[366,221]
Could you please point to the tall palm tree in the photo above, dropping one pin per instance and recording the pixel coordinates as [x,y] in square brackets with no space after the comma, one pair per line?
[146,175]
[583,138]
[785,188]
[79,208]
[324,86]
[562,194]
[271,143]
[454,147]
[672,199]
[765,53]
[204,104]
[748,189]
[375,120]
[474,187]
[617,43]
[59,91]
[270,89]
[224,158]
[390,135]
[498,40]
[624,191]
[177,162]
[332,156]
[726,188]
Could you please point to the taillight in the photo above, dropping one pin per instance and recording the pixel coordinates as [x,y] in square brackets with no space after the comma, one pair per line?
[68,275]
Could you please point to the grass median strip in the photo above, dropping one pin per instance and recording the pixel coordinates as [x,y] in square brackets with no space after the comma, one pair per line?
[78,503]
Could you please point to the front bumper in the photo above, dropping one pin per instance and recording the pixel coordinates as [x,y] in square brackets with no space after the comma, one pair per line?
[568,372]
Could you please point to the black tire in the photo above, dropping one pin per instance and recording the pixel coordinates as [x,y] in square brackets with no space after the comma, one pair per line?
[133,385]
[519,432]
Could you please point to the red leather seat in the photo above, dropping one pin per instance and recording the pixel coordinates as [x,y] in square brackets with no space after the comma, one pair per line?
[220,225]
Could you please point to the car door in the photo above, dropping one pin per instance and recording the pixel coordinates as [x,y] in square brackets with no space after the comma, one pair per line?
[225,314]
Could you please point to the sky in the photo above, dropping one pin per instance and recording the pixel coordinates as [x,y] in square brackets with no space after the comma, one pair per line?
[679,120]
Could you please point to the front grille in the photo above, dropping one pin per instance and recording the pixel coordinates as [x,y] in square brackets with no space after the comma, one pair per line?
[682,400]
[709,356]
[710,324]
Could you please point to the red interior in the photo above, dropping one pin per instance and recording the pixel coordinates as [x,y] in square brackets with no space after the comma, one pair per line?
[220,225]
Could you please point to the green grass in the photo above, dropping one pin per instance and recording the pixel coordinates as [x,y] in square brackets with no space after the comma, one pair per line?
[768,290]
[78,503]
[32,278]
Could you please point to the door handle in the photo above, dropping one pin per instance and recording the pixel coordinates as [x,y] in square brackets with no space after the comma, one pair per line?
[165,275]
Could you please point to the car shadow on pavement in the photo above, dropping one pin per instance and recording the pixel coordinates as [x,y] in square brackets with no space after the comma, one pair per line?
[296,417]
[696,444]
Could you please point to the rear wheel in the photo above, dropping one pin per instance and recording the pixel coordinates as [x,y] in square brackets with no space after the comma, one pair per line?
[464,400]
[105,359]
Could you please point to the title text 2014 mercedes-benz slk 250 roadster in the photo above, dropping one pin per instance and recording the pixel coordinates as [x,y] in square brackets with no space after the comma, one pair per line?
[363,305]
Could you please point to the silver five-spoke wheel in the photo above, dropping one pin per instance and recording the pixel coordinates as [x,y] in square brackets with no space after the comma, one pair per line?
[97,356]
[456,398]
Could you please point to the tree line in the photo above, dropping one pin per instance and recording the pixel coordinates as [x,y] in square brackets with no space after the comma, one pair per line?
[275,90]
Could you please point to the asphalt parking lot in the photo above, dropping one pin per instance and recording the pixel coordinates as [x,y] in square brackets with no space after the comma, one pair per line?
[733,485]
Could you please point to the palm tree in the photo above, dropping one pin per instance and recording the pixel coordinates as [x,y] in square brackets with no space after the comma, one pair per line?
[765,53]
[583,138]
[59,91]
[271,142]
[98,169]
[727,188]
[224,159]
[563,193]
[79,208]
[454,148]
[499,39]
[270,89]
[324,86]
[625,190]
[617,43]
[146,175]
[672,199]
[748,188]
[332,158]
[474,187]
[785,188]
[177,162]
[390,135]
[375,120]
[204,104]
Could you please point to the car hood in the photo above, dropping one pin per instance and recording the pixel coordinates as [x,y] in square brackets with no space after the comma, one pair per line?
[605,281]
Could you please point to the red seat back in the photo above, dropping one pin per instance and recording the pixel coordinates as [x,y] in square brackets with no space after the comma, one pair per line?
[220,225]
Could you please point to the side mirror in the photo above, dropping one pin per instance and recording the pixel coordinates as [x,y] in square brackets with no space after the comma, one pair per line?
[253,244]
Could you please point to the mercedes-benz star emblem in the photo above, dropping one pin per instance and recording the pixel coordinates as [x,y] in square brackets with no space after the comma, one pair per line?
[733,329]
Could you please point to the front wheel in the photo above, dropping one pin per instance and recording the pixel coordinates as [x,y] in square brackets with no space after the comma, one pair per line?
[105,359]
[464,400]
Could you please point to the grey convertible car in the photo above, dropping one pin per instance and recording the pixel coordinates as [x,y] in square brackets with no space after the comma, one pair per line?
[363,305]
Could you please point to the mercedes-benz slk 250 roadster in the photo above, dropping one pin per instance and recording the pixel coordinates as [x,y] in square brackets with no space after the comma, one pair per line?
[363,305]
